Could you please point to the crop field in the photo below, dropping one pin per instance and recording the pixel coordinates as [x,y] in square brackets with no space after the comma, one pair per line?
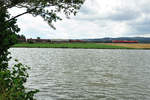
[134,45]
[70,45]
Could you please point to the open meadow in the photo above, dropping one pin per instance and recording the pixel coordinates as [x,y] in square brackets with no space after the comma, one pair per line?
[134,45]
[69,45]
[85,45]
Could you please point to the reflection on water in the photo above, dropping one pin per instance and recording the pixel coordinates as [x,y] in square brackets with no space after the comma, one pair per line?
[87,74]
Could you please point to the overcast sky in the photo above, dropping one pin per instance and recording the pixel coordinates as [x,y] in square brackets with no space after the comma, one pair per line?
[96,19]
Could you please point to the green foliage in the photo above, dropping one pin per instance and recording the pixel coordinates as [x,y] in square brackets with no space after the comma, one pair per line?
[21,38]
[12,84]
[38,38]
[11,79]
[8,32]
[47,9]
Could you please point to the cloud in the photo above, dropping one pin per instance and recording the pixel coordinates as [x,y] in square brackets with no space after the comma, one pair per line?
[140,26]
[124,15]
[96,19]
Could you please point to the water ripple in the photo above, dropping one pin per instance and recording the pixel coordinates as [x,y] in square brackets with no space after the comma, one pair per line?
[91,74]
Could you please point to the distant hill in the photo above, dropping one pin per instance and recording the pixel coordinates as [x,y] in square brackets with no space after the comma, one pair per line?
[139,39]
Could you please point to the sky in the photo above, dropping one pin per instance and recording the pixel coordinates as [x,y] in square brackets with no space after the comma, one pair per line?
[95,19]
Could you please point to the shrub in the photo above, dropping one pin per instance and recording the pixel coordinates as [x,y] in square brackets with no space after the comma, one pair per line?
[12,84]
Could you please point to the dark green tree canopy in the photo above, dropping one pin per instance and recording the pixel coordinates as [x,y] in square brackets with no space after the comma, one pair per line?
[47,9]
[8,32]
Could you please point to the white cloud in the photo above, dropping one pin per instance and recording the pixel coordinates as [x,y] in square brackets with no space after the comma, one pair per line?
[96,19]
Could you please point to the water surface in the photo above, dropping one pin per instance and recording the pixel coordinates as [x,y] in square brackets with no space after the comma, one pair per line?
[87,74]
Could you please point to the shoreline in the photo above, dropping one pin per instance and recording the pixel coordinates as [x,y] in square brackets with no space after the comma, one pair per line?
[87,48]
[68,45]
[81,46]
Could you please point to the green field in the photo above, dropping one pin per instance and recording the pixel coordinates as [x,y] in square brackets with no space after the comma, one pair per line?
[68,45]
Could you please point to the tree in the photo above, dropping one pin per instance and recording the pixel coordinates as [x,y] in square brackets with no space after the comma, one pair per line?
[8,32]
[12,80]
[38,38]
[21,38]
[47,9]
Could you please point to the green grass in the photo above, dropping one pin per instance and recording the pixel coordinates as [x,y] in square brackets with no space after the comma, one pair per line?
[69,45]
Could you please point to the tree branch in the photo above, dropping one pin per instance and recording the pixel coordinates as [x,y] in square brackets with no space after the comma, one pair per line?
[20,15]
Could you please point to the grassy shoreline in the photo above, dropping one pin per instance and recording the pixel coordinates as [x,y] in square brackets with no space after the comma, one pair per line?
[69,45]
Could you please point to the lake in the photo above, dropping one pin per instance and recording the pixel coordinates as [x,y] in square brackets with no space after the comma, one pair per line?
[87,74]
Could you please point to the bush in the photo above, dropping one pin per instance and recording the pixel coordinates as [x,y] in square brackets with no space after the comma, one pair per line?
[12,84]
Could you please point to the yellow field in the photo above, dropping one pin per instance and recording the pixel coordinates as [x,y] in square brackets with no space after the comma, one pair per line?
[135,45]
